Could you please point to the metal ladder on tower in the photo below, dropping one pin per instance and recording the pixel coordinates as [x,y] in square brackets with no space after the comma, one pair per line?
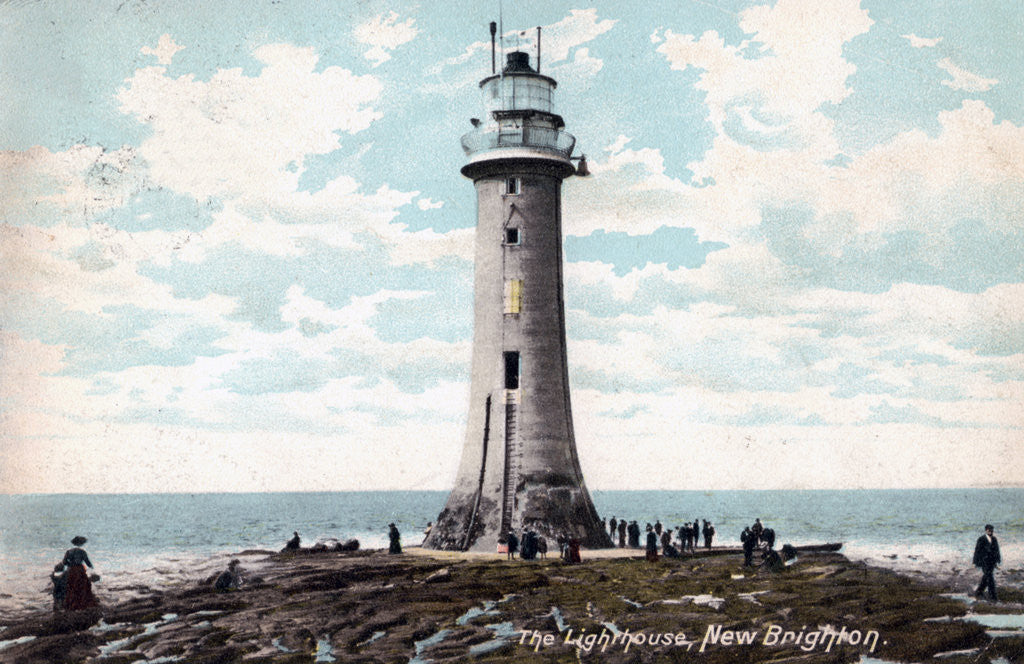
[511,474]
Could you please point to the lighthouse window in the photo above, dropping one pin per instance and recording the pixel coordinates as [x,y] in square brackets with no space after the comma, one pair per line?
[511,236]
[513,296]
[511,370]
[512,186]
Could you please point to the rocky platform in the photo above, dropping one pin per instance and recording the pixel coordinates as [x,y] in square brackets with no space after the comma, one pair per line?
[375,607]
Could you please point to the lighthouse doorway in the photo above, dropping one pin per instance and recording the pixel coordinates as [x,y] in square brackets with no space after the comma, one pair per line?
[511,370]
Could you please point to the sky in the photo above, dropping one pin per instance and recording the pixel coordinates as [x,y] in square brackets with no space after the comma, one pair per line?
[237,249]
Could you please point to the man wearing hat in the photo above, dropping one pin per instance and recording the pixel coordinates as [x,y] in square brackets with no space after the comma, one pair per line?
[986,556]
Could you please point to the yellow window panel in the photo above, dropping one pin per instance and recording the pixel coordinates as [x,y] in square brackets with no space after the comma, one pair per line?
[513,296]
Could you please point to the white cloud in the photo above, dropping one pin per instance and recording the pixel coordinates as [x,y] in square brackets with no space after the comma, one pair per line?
[912,182]
[246,136]
[826,356]
[40,187]
[771,138]
[244,140]
[385,34]
[65,423]
[164,51]
[581,67]
[921,42]
[558,40]
[791,78]
[965,80]
[40,262]
[926,183]
[428,204]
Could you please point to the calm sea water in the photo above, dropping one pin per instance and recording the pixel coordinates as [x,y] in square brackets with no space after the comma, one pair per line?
[158,539]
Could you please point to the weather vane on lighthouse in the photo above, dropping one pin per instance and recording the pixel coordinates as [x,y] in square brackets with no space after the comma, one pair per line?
[519,468]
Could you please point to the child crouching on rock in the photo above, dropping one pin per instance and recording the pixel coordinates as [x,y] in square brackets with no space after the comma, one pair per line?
[60,586]
[230,579]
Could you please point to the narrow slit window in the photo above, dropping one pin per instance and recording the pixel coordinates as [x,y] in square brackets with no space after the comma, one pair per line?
[511,370]
[511,236]
[512,186]
[513,296]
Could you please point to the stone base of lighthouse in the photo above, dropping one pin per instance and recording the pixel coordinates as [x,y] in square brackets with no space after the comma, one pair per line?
[550,511]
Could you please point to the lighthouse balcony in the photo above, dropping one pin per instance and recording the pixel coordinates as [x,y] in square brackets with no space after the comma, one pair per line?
[543,140]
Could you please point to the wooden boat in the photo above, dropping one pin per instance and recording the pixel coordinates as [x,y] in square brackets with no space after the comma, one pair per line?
[830,546]
[803,548]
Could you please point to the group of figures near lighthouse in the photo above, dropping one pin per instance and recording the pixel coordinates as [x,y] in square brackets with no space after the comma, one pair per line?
[628,534]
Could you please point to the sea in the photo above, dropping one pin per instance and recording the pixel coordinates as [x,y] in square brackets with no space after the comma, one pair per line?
[139,542]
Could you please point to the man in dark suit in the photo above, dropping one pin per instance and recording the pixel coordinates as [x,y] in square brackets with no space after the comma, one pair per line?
[986,556]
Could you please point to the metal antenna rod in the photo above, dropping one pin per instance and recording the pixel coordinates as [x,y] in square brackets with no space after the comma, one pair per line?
[494,28]
[538,49]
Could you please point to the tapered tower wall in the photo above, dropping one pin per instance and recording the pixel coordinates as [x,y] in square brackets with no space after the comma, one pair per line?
[519,468]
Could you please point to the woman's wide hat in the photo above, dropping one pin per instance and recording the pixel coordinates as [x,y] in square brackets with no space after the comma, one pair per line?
[79,540]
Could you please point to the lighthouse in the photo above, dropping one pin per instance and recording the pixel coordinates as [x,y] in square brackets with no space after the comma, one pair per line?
[519,469]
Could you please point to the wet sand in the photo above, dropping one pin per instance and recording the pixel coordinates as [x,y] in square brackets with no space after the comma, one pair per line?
[614,607]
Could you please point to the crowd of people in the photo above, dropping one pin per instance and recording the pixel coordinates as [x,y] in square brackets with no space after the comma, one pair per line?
[758,538]
[689,535]
[532,546]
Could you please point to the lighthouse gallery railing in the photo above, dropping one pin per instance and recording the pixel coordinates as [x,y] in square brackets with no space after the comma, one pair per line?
[555,141]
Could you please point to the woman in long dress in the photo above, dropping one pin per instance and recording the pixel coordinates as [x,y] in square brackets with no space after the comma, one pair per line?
[79,588]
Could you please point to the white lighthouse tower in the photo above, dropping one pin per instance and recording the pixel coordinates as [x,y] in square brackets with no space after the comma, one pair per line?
[519,467]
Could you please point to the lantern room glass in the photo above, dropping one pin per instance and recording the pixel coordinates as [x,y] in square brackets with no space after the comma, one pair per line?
[518,93]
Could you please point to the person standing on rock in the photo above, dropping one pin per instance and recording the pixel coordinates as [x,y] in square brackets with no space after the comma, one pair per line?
[613,526]
[667,549]
[651,549]
[757,529]
[986,556]
[573,549]
[79,588]
[709,534]
[622,534]
[634,535]
[529,548]
[395,539]
[513,545]
[749,544]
